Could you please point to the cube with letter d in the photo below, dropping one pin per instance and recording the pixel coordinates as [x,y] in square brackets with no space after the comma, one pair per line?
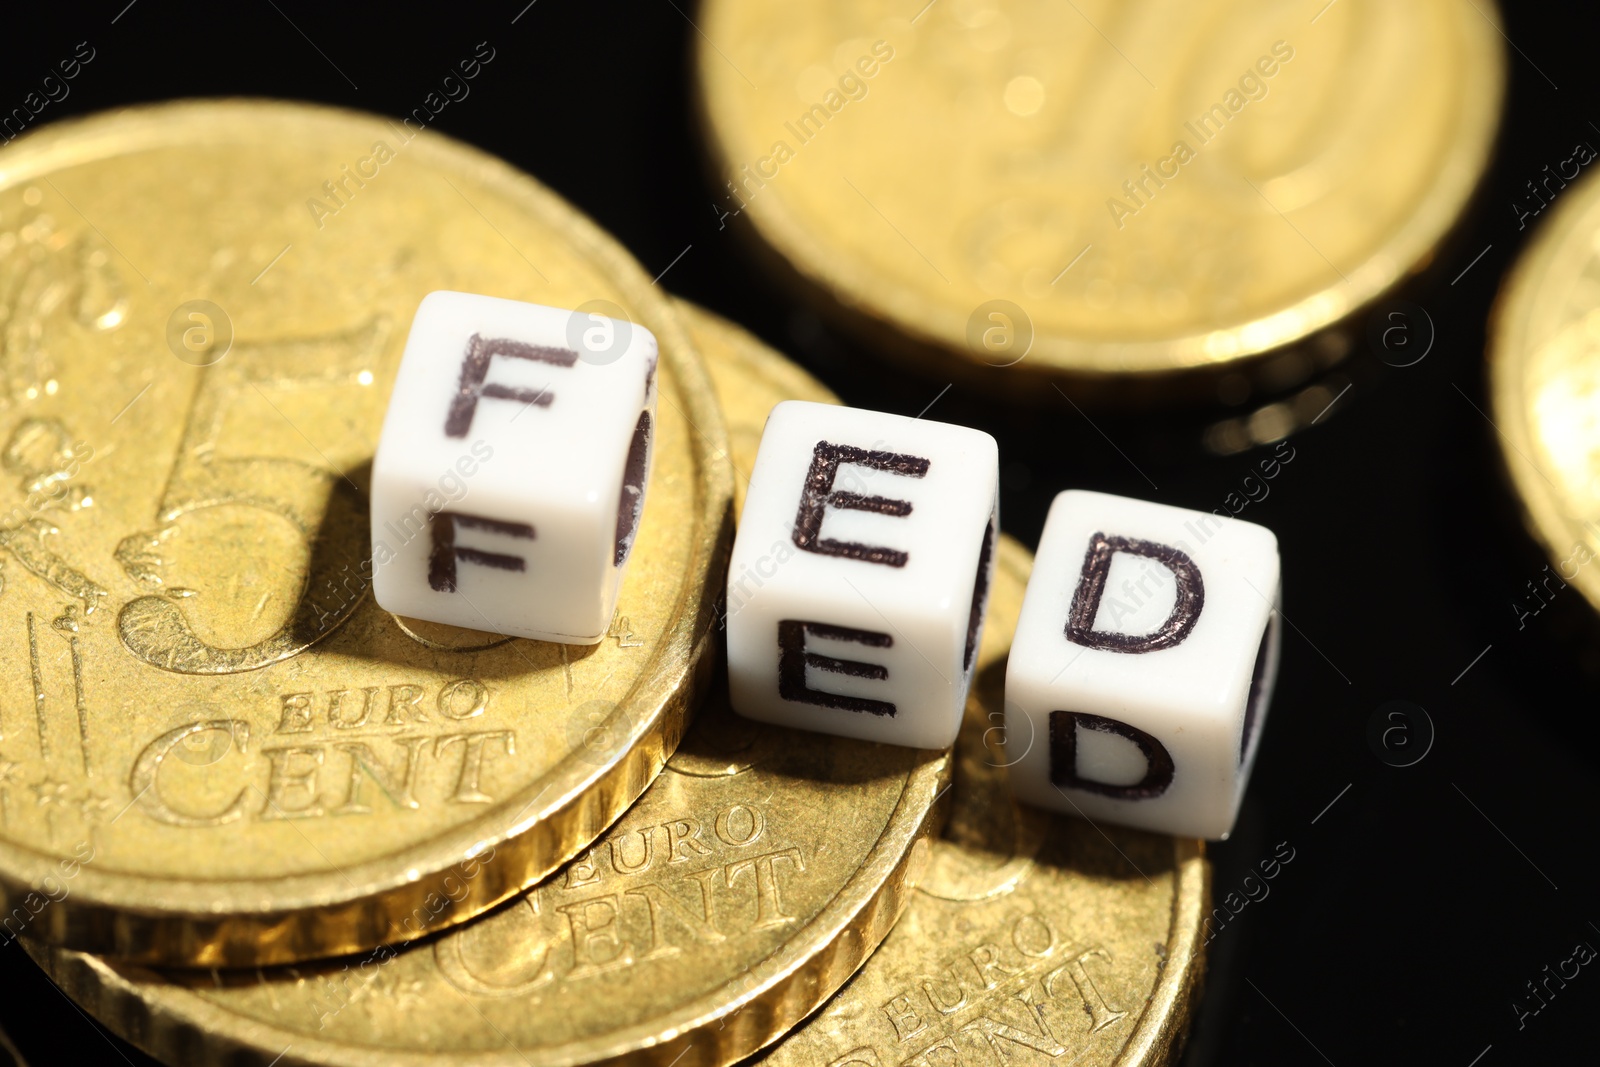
[860,572]
[1142,665]
[510,475]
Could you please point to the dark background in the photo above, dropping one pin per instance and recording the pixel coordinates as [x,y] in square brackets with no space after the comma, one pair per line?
[1423,899]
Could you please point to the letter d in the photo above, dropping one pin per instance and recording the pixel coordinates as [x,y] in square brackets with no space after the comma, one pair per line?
[1064,726]
[1092,585]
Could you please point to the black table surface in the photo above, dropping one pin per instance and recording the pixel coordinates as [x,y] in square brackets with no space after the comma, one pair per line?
[1421,900]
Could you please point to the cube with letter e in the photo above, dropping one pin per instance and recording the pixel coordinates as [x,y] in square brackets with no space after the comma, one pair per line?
[860,573]
[1142,664]
[510,475]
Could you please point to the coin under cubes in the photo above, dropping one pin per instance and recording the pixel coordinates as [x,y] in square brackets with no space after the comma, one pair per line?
[1143,663]
[860,572]
[510,475]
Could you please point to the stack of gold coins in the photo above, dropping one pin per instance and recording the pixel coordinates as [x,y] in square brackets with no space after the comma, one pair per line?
[231,755]
[1123,201]
[248,817]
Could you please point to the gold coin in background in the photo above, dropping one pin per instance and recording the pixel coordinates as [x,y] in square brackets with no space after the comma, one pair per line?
[220,751]
[9,1056]
[1033,938]
[1544,381]
[1022,189]
[744,887]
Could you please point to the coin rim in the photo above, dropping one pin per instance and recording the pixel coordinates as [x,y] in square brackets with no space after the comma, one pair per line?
[1164,1026]
[181,1025]
[232,921]
[927,327]
[178,1024]
[1557,237]
[782,374]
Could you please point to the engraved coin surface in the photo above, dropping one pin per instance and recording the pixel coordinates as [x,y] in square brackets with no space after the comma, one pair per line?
[746,885]
[1544,381]
[210,735]
[1154,187]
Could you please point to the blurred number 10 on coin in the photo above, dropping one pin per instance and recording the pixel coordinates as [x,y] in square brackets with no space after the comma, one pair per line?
[1017,191]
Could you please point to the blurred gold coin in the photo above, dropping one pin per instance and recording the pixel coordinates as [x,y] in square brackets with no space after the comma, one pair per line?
[1023,189]
[9,1056]
[218,749]
[746,885]
[1544,381]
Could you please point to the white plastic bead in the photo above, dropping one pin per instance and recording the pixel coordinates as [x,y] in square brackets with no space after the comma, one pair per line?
[510,475]
[860,573]
[1143,664]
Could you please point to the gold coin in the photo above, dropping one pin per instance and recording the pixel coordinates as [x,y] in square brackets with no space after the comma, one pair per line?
[1544,380]
[750,379]
[9,1056]
[1029,932]
[220,751]
[1025,189]
[746,885]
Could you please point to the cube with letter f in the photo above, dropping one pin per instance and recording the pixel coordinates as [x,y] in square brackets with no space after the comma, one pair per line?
[859,577]
[510,476]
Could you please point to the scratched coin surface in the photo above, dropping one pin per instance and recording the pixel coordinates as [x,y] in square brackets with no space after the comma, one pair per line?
[216,748]
[1025,188]
[1034,939]
[1544,378]
[744,887]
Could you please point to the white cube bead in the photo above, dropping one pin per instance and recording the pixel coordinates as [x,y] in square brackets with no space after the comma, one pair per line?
[860,573]
[510,475]
[1142,664]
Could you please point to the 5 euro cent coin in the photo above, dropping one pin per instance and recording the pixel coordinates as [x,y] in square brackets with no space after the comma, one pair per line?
[219,751]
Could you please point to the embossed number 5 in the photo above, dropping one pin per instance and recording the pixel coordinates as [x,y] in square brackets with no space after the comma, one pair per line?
[329,513]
